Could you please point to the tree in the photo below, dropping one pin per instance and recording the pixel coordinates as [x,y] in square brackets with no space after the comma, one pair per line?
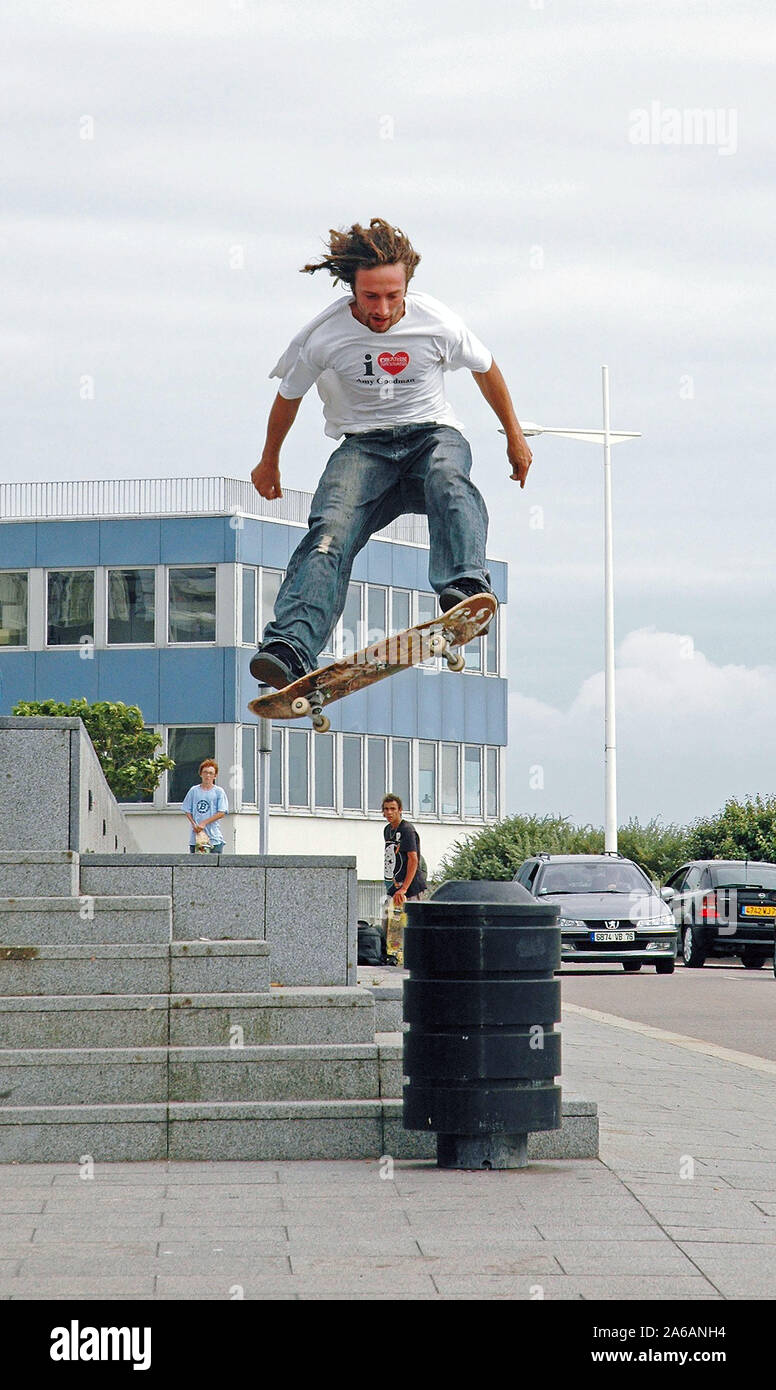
[742,830]
[126,750]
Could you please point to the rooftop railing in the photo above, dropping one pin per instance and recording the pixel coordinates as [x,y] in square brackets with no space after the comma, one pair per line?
[140,497]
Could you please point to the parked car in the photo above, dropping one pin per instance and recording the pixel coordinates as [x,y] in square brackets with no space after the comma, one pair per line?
[724,907]
[610,911]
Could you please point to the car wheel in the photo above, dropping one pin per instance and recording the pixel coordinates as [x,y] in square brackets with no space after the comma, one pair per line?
[692,953]
[664,967]
[631,966]
[752,960]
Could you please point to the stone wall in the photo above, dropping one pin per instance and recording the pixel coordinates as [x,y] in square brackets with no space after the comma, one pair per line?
[54,792]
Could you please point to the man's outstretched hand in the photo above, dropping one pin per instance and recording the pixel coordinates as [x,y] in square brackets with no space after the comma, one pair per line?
[519,456]
[266,479]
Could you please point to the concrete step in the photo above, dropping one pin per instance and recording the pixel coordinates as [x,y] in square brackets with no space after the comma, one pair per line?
[126,1076]
[388,1007]
[213,967]
[247,1130]
[78,1021]
[43,921]
[84,969]
[30,873]
[578,1136]
[288,1017]
[242,1130]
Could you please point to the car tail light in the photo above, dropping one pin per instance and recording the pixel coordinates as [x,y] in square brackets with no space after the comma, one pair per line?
[709,911]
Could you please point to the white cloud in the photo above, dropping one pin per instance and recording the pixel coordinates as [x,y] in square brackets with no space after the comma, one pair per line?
[690,733]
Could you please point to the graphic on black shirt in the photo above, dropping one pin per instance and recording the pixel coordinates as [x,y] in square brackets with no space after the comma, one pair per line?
[400,842]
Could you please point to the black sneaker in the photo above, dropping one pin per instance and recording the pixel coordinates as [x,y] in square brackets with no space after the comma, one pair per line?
[461,589]
[277,665]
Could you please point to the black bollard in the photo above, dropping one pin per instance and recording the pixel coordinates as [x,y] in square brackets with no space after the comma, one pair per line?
[481,1054]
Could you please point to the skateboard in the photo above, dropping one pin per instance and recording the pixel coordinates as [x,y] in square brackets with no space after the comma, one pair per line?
[395,923]
[436,637]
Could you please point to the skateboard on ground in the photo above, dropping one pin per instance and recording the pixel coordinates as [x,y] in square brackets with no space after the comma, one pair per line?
[436,637]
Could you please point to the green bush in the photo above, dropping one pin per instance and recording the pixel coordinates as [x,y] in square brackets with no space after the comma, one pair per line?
[498,851]
[127,751]
[742,830]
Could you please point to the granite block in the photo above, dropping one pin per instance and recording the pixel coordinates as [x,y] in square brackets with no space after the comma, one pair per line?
[301,1130]
[84,969]
[96,1076]
[74,921]
[62,1134]
[220,905]
[125,879]
[286,1016]
[307,919]
[38,874]
[215,967]
[75,1021]
[273,1073]
[35,785]
[391,1067]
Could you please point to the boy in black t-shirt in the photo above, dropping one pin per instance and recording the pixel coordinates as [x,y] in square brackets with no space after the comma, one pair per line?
[403,876]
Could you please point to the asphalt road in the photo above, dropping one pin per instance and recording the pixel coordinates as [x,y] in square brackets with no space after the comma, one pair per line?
[720,1003]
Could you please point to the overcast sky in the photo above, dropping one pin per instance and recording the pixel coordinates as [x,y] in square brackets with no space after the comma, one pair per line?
[166,169]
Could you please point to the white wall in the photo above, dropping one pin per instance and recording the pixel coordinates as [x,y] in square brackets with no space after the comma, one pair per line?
[165,832]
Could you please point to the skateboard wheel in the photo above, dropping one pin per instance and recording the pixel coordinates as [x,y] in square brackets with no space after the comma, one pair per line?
[437,644]
[456,661]
[321,723]
[300,706]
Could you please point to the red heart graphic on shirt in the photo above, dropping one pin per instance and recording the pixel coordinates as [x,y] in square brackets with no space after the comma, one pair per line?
[393,362]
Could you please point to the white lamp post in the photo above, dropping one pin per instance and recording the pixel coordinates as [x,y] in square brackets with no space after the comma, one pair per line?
[607,437]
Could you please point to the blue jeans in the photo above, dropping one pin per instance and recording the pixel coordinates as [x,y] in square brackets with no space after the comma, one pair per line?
[369,481]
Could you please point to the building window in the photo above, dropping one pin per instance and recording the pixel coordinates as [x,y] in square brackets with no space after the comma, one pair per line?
[376,613]
[351,772]
[428,608]
[375,773]
[473,653]
[131,595]
[450,800]
[70,613]
[351,635]
[491,647]
[249,764]
[248,608]
[13,609]
[193,604]
[491,782]
[400,770]
[427,795]
[188,748]
[400,610]
[276,769]
[298,771]
[472,781]
[323,744]
[271,581]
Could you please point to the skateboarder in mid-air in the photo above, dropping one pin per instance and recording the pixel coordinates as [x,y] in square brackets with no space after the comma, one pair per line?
[378,357]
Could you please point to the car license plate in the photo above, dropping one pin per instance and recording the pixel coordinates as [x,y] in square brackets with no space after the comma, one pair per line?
[755,910]
[613,935]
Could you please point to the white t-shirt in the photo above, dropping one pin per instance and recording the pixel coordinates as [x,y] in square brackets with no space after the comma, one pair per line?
[370,381]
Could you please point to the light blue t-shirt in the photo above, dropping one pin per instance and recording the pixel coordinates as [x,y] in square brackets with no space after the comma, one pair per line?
[202,805]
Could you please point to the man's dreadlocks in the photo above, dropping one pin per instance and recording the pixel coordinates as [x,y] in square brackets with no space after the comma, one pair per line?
[361,248]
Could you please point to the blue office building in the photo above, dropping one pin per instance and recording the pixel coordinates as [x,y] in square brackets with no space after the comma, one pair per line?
[155,592]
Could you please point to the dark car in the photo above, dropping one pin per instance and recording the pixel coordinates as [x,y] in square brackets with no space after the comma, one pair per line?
[724,907]
[610,911]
